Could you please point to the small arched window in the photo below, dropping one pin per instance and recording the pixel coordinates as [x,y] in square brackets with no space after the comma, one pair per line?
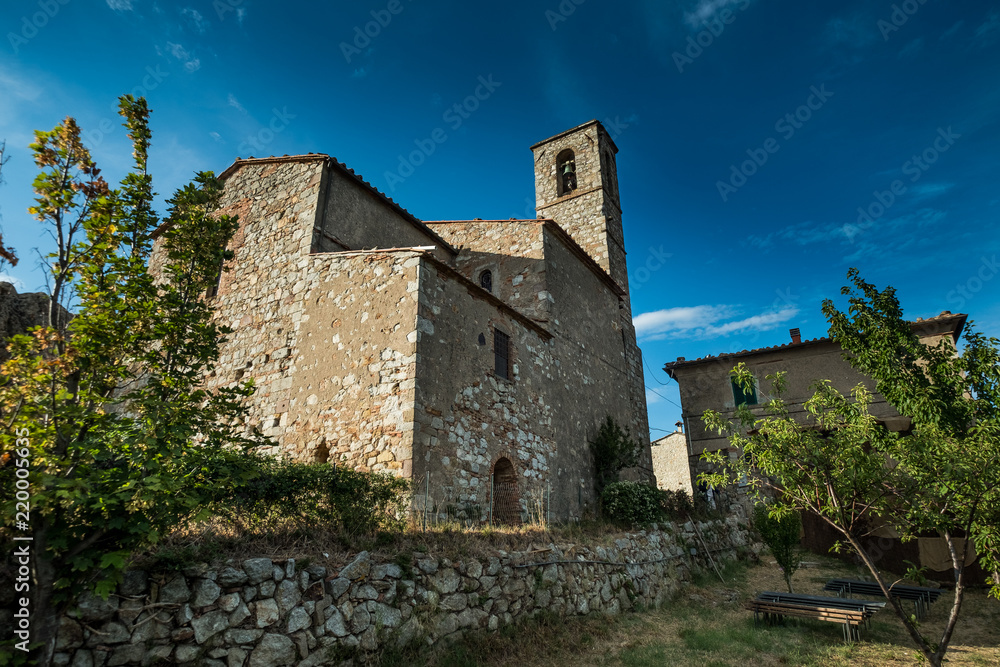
[486,280]
[565,172]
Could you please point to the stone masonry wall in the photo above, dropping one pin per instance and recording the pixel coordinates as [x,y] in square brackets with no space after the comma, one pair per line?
[260,612]
[511,250]
[259,296]
[670,463]
[353,362]
[467,417]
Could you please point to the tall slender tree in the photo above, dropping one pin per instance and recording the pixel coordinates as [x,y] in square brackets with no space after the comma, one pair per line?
[105,409]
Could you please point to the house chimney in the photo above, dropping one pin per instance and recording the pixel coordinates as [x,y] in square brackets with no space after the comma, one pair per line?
[796,335]
[680,427]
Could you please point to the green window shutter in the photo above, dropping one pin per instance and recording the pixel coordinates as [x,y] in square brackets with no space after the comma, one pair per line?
[741,398]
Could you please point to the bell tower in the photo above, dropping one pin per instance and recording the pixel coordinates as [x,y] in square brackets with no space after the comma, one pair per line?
[576,184]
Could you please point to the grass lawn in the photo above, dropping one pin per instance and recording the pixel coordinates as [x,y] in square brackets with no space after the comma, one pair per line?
[706,626]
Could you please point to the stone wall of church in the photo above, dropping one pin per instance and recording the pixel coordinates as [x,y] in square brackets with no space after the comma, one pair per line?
[592,375]
[260,293]
[511,250]
[353,365]
[468,417]
[355,217]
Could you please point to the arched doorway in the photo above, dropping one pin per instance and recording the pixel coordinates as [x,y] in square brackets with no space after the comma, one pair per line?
[505,505]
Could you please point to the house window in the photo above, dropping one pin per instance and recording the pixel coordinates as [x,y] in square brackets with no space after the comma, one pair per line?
[565,172]
[501,354]
[744,398]
[486,281]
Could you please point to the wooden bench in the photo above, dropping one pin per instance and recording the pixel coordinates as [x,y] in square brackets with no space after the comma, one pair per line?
[851,614]
[922,597]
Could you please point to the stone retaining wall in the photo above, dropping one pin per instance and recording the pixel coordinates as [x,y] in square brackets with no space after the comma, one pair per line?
[266,613]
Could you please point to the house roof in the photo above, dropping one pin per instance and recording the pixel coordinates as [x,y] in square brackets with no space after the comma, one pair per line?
[558,231]
[343,168]
[946,322]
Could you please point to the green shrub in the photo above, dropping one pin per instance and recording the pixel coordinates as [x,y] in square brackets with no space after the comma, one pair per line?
[613,450]
[279,491]
[631,503]
[676,505]
[781,535]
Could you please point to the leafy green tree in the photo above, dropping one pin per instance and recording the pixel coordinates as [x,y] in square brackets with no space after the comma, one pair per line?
[106,408]
[781,535]
[843,466]
[613,450]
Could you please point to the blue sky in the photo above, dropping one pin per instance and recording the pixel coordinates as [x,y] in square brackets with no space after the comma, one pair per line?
[765,147]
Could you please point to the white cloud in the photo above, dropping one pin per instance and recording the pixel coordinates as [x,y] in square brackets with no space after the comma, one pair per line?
[241,14]
[856,31]
[987,31]
[120,5]
[950,32]
[706,10]
[705,322]
[235,103]
[178,51]
[216,136]
[194,17]
[912,48]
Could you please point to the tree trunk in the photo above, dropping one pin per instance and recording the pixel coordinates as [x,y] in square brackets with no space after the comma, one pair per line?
[45,616]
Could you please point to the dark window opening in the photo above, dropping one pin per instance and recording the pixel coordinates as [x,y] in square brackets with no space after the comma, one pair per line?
[748,397]
[501,354]
[565,172]
[486,281]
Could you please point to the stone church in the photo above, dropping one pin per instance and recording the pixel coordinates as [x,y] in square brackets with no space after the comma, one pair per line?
[476,357]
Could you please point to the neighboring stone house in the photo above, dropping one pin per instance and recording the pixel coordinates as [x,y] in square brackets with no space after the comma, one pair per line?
[705,383]
[670,462]
[472,356]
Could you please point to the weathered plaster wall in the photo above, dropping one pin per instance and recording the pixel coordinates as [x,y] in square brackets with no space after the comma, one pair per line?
[260,612]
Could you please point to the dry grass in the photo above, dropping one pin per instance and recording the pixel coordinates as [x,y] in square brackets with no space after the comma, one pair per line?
[707,626]
[218,541]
